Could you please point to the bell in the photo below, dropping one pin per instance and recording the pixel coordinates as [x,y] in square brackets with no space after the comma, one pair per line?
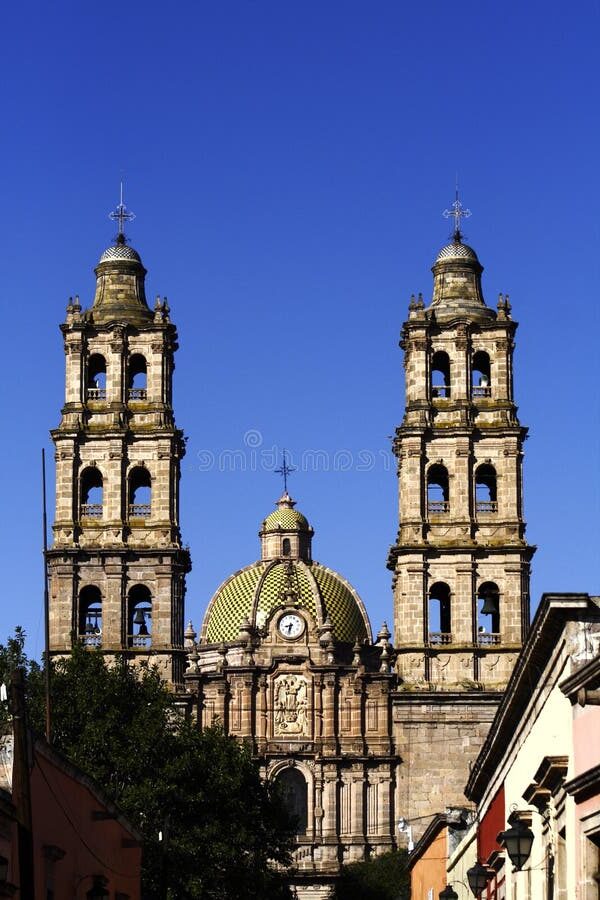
[143,629]
[490,605]
[139,618]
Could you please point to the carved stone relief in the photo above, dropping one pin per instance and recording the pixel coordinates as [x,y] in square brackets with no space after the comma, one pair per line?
[290,706]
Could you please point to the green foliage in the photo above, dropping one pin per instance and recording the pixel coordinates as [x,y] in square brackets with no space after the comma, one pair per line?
[383,877]
[201,791]
[13,656]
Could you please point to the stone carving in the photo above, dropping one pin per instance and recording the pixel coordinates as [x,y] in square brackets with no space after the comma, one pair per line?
[290,708]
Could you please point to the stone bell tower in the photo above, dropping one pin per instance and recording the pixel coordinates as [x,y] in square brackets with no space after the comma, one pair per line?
[116,566]
[461,562]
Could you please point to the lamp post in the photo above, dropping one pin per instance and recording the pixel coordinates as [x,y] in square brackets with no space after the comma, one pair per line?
[517,842]
[448,893]
[478,877]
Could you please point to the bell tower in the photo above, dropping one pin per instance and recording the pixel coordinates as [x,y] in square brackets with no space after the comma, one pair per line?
[116,566]
[461,562]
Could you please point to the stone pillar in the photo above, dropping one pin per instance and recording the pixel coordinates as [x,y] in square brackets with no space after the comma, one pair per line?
[330,813]
[261,714]
[328,715]
[383,804]
[357,779]
[247,689]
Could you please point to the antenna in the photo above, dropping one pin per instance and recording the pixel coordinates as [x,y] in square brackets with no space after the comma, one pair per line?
[46,603]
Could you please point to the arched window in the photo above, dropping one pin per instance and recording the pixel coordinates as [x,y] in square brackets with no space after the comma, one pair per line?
[488,613]
[137,379]
[139,617]
[437,489]
[294,792]
[140,493]
[90,616]
[440,374]
[91,493]
[96,377]
[486,500]
[481,382]
[286,547]
[440,618]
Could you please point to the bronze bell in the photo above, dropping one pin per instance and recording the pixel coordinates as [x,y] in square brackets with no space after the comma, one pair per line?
[490,605]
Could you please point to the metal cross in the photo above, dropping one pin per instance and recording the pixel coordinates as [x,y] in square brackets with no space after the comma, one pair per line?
[285,470]
[457,213]
[121,214]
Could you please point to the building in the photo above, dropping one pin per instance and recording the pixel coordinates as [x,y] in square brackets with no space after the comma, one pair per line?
[285,656]
[538,770]
[428,860]
[59,835]
[461,562]
[117,565]
[286,660]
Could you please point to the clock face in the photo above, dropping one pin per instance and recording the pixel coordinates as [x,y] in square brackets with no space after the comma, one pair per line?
[291,625]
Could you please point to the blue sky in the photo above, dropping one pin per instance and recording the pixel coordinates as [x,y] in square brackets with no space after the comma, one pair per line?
[288,165]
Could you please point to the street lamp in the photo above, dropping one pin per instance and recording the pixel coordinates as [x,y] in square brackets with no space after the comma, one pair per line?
[478,877]
[98,891]
[448,893]
[517,842]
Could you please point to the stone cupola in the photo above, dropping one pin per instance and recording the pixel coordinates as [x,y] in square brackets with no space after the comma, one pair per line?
[457,283]
[285,533]
[120,294]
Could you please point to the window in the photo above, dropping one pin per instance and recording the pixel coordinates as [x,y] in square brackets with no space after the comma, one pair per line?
[481,383]
[90,616]
[437,490]
[139,617]
[96,377]
[137,378]
[286,547]
[140,493]
[440,620]
[486,500]
[92,489]
[440,374]
[488,614]
[294,792]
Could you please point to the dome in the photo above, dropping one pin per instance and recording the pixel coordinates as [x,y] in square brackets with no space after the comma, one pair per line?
[456,250]
[120,251]
[285,517]
[260,589]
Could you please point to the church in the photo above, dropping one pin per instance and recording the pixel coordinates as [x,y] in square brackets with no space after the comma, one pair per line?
[364,731]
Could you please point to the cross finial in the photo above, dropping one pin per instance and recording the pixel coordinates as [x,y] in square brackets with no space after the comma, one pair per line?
[121,215]
[284,471]
[457,212]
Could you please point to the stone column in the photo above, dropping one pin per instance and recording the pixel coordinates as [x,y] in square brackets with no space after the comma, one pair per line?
[383,805]
[357,786]
[330,813]
[246,686]
[328,715]
[261,713]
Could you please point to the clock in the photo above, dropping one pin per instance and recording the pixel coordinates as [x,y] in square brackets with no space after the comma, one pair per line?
[291,626]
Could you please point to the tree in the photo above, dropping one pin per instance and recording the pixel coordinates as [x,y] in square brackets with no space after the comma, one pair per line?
[210,825]
[384,877]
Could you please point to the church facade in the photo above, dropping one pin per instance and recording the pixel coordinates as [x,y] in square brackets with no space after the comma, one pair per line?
[361,733]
